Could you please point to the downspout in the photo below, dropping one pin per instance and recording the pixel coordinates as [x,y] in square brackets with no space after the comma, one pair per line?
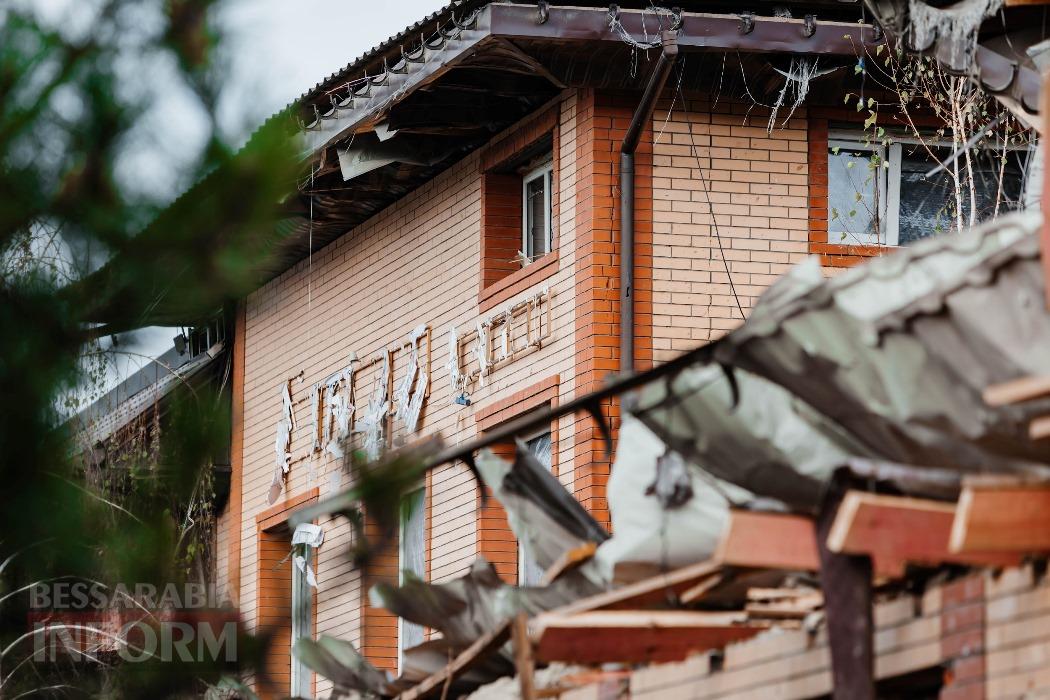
[643,113]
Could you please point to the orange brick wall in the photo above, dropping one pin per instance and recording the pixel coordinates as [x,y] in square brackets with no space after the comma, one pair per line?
[415,262]
[757,185]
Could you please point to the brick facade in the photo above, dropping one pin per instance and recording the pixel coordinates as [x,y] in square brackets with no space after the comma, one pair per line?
[714,191]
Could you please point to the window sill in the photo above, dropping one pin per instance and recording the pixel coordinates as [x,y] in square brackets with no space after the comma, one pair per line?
[517,282]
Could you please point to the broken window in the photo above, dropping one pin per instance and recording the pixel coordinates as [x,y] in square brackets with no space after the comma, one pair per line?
[890,195]
[537,238]
[412,558]
[529,573]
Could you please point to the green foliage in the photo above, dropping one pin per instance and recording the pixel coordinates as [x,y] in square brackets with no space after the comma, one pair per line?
[72,103]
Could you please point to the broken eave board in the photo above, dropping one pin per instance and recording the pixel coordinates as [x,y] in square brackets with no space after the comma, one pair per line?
[1001,518]
[631,636]
[895,529]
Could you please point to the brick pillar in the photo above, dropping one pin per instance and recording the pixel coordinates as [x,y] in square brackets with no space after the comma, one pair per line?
[962,638]
[379,638]
[602,121]
[496,541]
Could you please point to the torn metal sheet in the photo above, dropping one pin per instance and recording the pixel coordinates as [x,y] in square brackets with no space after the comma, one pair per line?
[356,160]
[409,402]
[378,405]
[544,516]
[282,459]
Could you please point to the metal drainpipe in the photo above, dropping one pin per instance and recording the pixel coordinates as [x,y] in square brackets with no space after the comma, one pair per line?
[642,115]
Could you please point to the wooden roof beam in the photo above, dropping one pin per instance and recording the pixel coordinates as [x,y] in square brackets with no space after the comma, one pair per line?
[635,636]
[1006,518]
[895,529]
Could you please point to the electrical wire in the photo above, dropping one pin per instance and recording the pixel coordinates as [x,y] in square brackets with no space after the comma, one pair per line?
[710,204]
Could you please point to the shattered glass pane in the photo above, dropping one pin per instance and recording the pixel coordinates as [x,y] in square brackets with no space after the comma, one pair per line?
[852,196]
[927,204]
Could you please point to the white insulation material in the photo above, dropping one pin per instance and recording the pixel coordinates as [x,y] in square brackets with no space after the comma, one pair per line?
[645,534]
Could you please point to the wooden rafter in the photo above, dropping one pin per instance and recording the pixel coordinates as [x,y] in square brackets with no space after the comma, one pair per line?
[634,636]
[1002,518]
[769,541]
[484,645]
[897,529]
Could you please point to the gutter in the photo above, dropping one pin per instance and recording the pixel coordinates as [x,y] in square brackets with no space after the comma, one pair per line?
[643,114]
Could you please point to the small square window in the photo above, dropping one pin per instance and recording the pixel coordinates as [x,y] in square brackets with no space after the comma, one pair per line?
[536,236]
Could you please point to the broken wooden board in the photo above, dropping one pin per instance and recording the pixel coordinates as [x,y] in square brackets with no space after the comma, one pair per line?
[569,560]
[635,636]
[663,590]
[482,647]
[1017,391]
[769,541]
[1002,518]
[899,529]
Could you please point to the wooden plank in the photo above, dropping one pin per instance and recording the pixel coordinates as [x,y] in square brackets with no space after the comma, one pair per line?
[1002,519]
[769,541]
[848,604]
[1017,390]
[1039,428]
[523,661]
[482,647]
[691,595]
[662,590]
[568,561]
[632,636]
[889,528]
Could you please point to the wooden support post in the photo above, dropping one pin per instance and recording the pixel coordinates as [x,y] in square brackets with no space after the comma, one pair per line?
[846,583]
[1002,518]
[523,660]
[901,530]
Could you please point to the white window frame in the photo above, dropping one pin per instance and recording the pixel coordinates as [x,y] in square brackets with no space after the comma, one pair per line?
[890,180]
[887,185]
[521,547]
[401,564]
[302,624]
[546,171]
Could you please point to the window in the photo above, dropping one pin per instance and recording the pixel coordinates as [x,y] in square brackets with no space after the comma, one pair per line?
[302,620]
[536,234]
[412,558]
[529,573]
[881,194]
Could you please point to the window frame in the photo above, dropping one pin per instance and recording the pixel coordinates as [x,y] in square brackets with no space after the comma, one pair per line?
[302,605]
[401,556]
[546,171]
[887,185]
[889,235]
[549,432]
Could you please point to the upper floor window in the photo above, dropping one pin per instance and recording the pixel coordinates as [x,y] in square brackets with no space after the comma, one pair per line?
[888,194]
[537,237]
